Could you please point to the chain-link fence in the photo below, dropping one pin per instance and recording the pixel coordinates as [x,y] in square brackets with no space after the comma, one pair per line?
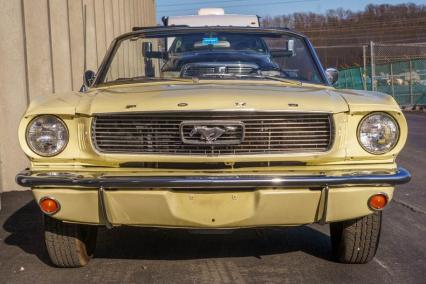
[395,69]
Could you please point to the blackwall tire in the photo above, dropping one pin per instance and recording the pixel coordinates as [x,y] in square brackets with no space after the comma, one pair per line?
[356,241]
[69,245]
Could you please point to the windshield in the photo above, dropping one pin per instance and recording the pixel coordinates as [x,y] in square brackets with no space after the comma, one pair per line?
[218,42]
[211,55]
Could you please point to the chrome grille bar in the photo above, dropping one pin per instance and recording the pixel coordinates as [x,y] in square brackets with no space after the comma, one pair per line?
[265,133]
[211,68]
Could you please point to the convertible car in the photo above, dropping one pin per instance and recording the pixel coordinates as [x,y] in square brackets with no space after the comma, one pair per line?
[230,127]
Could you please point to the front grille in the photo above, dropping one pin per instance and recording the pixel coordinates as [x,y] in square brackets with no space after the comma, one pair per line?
[264,133]
[205,69]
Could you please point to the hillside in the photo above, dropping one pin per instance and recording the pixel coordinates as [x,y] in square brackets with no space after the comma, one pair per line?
[339,34]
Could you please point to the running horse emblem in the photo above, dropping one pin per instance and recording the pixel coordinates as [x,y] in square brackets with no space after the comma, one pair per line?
[210,134]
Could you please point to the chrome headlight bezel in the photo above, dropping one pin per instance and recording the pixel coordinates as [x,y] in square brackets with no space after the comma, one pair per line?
[393,144]
[31,145]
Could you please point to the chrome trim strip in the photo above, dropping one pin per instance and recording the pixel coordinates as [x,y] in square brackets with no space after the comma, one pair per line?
[28,179]
[203,111]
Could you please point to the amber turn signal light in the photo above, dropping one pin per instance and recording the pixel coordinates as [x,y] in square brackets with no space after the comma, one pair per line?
[378,201]
[49,205]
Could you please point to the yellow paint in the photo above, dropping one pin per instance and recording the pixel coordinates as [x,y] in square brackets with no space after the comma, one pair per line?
[212,209]
[167,208]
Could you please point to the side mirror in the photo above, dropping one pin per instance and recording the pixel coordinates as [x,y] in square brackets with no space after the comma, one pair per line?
[290,47]
[146,48]
[332,75]
[147,52]
[88,78]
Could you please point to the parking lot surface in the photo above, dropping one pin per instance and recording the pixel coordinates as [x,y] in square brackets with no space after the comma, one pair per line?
[293,255]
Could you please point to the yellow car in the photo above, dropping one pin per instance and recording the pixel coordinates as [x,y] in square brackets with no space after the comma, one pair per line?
[230,127]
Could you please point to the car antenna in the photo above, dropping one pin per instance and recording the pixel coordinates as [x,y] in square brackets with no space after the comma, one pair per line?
[84,88]
[84,38]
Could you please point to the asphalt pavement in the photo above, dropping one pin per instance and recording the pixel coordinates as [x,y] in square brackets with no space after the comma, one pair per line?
[289,255]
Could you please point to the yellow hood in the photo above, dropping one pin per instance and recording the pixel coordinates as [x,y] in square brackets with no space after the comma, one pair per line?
[183,97]
[74,108]
[211,96]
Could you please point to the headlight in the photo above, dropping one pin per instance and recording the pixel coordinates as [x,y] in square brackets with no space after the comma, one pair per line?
[47,135]
[378,133]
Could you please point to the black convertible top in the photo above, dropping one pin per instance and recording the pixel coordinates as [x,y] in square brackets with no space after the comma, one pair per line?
[171,31]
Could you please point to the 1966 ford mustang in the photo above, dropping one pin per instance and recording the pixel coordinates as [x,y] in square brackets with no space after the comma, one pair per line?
[230,127]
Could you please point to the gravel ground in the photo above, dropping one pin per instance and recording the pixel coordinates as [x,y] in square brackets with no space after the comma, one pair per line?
[300,254]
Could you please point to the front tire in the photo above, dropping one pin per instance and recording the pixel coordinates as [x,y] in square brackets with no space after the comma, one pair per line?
[69,245]
[356,241]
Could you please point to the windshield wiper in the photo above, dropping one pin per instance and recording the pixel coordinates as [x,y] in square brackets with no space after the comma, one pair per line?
[195,79]
[141,78]
[280,79]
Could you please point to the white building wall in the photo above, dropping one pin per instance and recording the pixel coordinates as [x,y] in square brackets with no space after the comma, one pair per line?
[42,51]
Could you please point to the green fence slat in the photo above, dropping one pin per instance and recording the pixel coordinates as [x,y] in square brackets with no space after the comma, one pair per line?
[394,80]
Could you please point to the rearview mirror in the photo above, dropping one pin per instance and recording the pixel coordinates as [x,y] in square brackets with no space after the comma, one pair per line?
[208,42]
[332,75]
[148,52]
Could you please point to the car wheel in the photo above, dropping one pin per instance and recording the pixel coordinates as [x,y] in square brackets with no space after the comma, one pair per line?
[356,240]
[69,245]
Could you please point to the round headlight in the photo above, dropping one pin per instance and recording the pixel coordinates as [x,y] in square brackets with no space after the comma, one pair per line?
[378,133]
[47,135]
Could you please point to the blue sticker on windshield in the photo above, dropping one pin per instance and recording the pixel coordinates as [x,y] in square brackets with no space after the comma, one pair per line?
[210,40]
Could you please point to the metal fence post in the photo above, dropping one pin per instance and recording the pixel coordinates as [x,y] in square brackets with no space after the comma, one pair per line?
[364,73]
[346,79]
[403,64]
[392,81]
[410,64]
[373,67]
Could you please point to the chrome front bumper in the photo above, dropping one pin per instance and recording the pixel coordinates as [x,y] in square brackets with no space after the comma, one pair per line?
[109,201]
[28,179]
